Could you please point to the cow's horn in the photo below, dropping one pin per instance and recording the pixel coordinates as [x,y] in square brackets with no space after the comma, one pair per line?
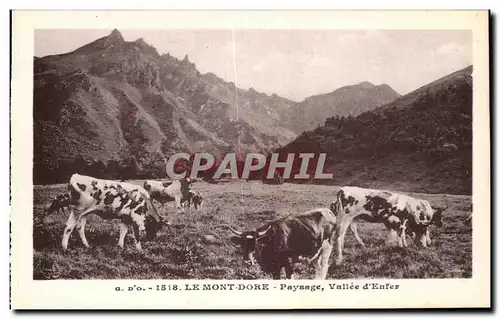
[239,233]
[263,232]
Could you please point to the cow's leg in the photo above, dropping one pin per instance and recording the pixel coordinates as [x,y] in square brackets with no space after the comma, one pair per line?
[401,232]
[70,225]
[354,229]
[123,233]
[178,204]
[341,230]
[428,237]
[403,238]
[289,268]
[322,262]
[420,238]
[135,230]
[81,230]
[393,233]
[277,274]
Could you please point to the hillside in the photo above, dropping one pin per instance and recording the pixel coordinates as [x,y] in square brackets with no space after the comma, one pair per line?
[121,103]
[348,100]
[116,109]
[420,142]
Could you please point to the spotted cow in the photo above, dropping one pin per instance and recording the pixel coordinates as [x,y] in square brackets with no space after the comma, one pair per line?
[400,213]
[111,200]
[164,192]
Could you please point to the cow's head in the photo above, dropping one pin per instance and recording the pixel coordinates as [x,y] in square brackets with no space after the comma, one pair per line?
[420,227]
[153,222]
[147,186]
[153,226]
[58,203]
[437,217]
[249,241]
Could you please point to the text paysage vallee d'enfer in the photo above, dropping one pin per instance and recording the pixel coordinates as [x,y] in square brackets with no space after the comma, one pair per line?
[261,287]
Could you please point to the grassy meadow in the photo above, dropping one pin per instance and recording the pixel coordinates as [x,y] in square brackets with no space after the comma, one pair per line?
[179,251]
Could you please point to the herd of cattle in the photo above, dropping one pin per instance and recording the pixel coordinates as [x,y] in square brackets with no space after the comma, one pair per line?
[309,236]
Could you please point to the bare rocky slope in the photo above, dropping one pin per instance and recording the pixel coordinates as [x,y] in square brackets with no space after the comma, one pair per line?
[117,102]
[114,107]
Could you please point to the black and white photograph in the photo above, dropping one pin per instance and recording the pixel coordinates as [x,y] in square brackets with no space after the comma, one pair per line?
[253,154]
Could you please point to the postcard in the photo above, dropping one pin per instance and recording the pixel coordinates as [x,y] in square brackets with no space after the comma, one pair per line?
[250,160]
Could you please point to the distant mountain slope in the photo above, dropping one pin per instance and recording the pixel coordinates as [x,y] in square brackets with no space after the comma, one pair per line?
[419,142]
[348,100]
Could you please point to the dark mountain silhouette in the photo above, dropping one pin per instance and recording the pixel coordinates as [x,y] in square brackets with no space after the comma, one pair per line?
[348,100]
[421,141]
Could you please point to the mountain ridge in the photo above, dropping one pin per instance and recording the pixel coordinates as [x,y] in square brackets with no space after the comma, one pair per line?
[113,100]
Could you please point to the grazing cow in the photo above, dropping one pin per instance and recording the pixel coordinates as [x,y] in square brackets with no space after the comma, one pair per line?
[280,243]
[111,200]
[164,192]
[59,203]
[398,212]
[194,198]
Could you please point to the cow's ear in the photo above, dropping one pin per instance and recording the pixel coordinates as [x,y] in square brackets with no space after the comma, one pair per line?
[236,240]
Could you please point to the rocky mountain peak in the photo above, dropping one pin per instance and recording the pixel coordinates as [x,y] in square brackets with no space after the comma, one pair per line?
[115,37]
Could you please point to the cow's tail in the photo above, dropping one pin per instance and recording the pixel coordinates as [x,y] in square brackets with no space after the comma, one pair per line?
[337,207]
[74,192]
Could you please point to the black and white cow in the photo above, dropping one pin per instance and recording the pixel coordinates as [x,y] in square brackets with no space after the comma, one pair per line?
[111,200]
[398,212]
[164,192]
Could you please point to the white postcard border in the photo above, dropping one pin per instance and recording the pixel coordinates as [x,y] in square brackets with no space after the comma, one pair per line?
[100,294]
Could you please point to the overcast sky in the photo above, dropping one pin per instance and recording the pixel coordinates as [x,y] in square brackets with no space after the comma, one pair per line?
[298,63]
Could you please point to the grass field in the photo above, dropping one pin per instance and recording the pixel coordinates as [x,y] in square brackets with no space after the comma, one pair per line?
[179,253]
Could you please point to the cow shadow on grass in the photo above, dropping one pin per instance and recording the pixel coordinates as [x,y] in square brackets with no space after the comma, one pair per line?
[395,263]
[49,236]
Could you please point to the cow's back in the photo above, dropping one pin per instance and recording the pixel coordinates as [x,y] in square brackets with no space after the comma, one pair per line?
[304,233]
